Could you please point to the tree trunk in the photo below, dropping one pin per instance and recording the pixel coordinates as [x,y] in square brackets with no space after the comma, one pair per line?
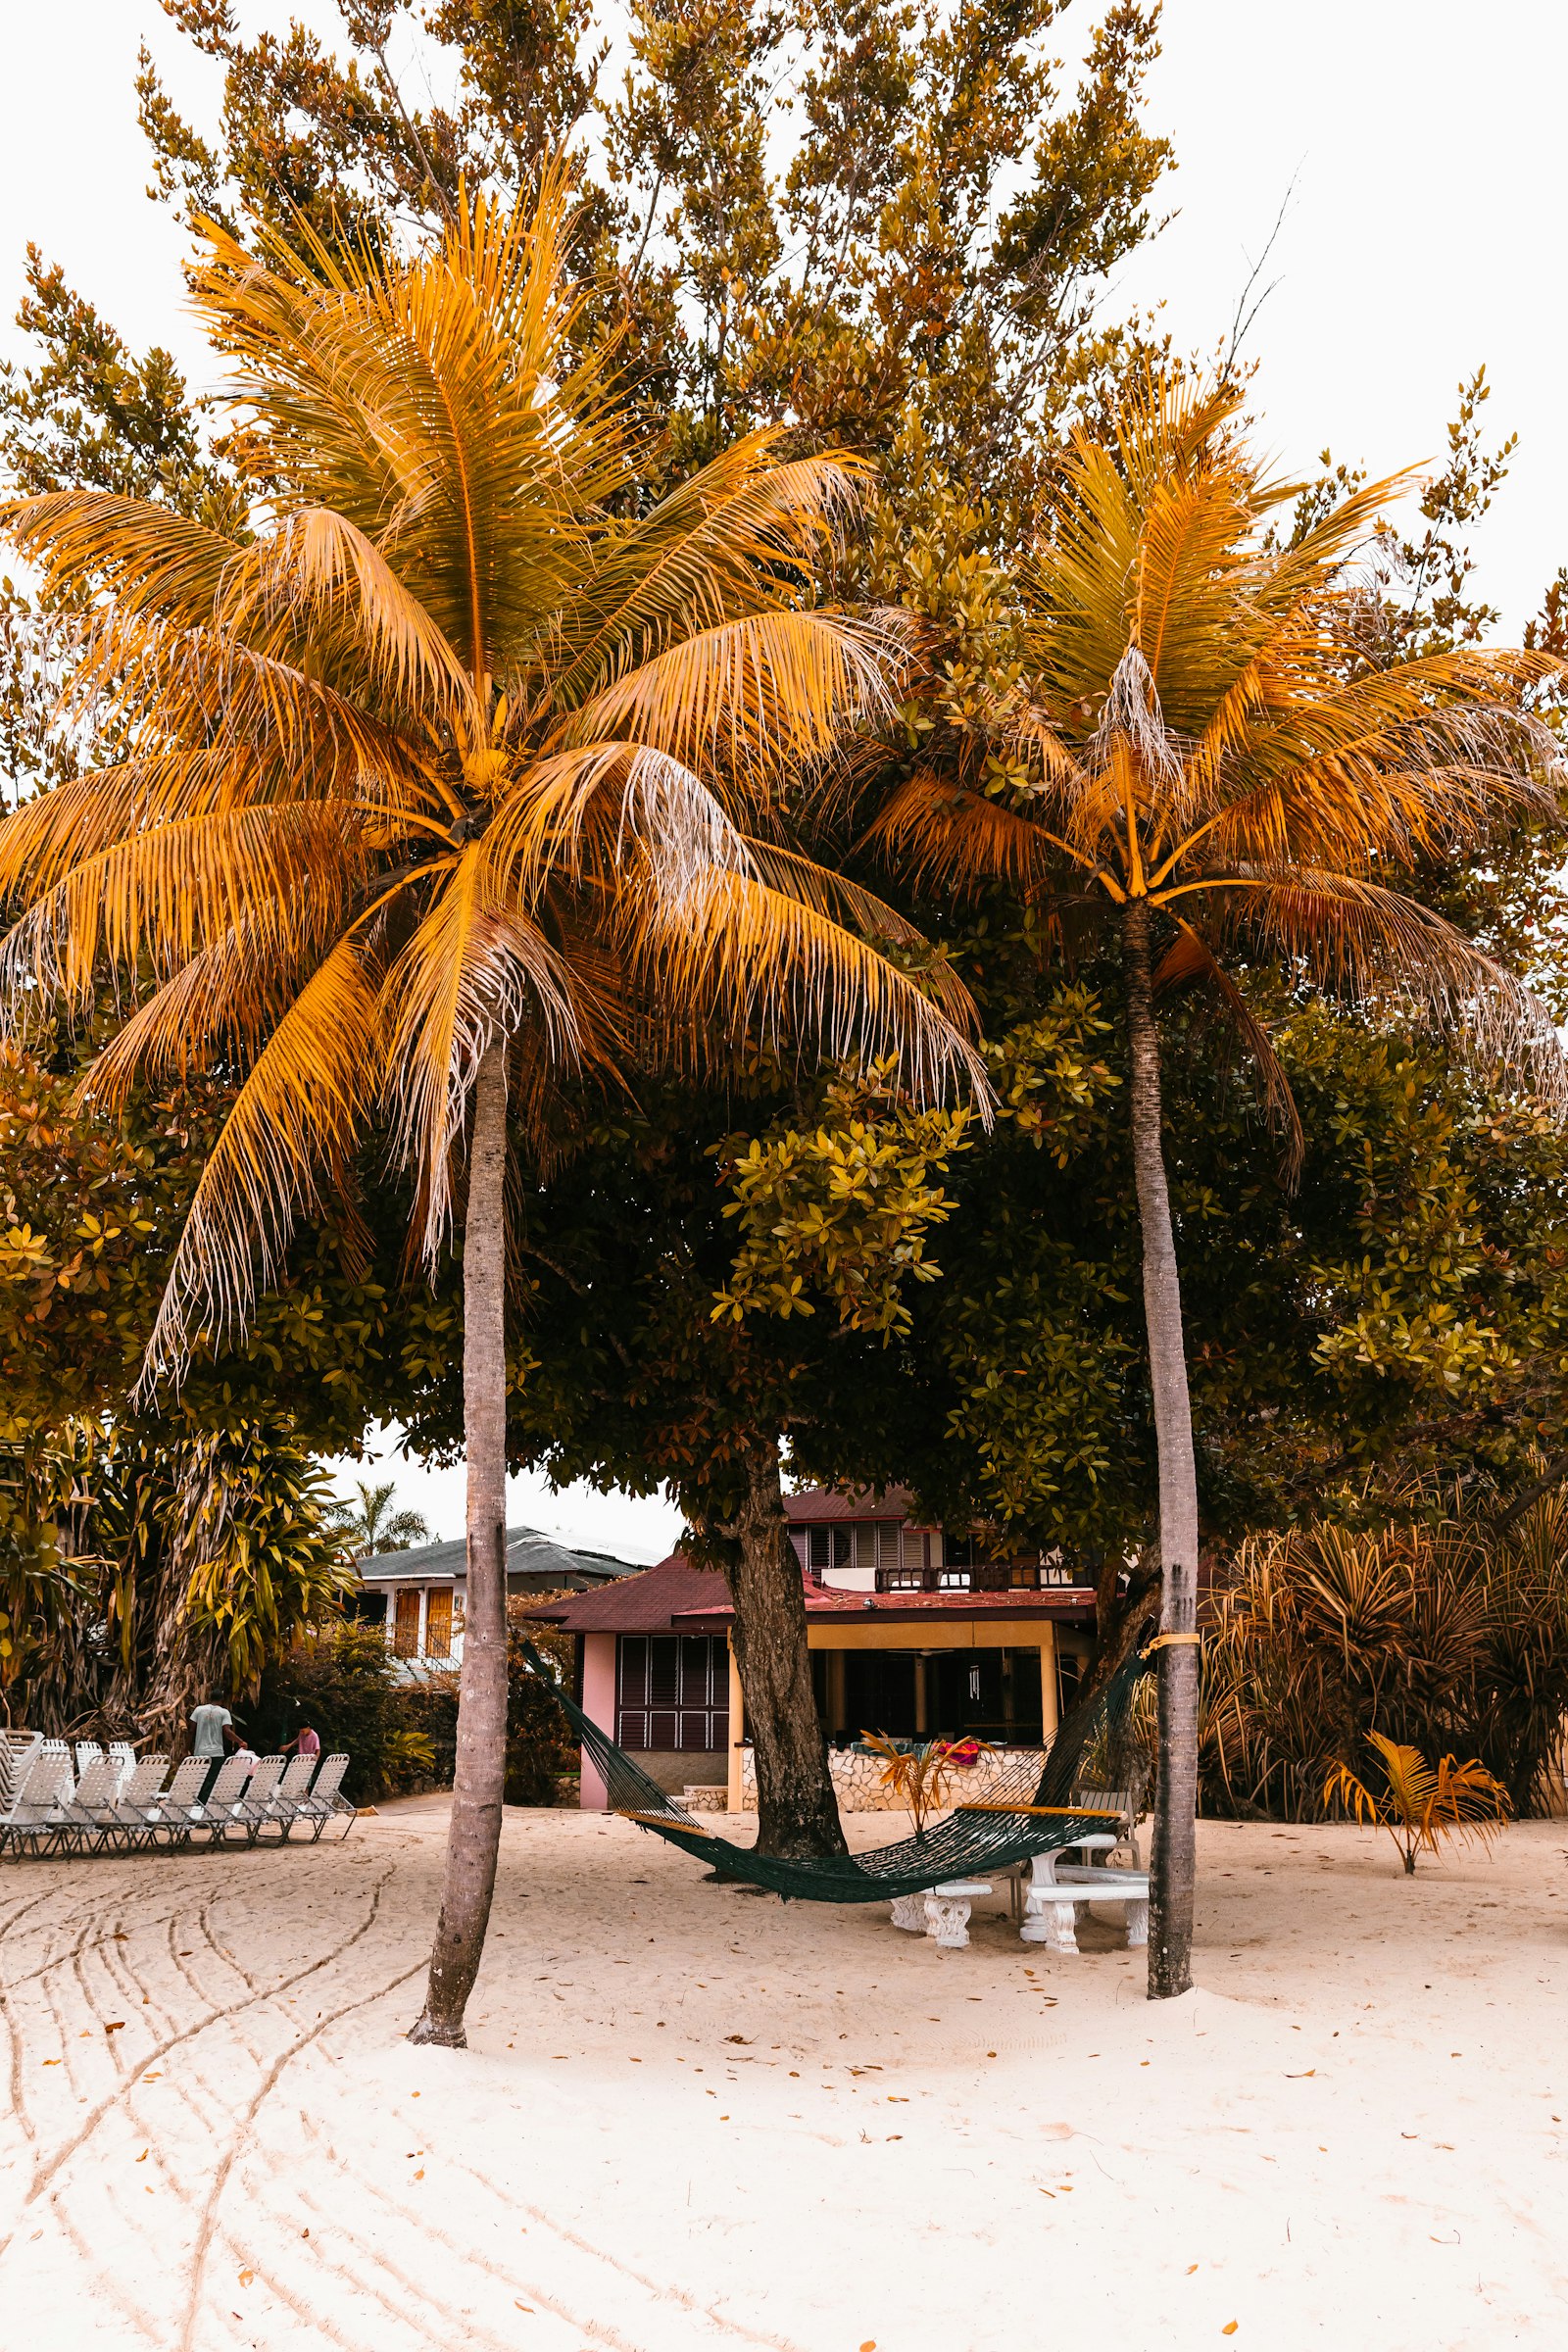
[474,1837]
[797,1810]
[1175,1839]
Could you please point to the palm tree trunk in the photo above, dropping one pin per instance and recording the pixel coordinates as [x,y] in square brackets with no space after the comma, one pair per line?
[1175,1835]
[797,1810]
[474,1837]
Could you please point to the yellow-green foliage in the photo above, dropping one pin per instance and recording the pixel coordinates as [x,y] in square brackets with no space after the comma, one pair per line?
[1423,1804]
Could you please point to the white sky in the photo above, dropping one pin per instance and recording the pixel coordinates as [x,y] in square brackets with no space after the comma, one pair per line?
[1424,136]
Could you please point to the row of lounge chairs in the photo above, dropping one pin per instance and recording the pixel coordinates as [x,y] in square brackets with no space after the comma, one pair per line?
[109,1800]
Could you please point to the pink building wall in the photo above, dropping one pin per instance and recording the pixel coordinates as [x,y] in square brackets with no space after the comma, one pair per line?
[599,1705]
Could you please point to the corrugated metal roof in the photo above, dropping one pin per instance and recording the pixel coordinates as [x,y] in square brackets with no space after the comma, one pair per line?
[539,1557]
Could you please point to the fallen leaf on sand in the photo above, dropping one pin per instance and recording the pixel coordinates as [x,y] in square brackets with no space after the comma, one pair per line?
[743,2039]
[419,2174]
[52,2062]
[527,2307]
[142,2158]
[246,2276]
[1302,2077]
[1191,2268]
[1230,2326]
[869,2345]
[117,2026]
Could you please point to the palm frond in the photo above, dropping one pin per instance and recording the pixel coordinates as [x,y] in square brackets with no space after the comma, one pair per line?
[1190,958]
[297,1118]
[476,967]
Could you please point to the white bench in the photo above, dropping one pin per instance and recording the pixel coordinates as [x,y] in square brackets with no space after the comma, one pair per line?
[939,1912]
[1056,1890]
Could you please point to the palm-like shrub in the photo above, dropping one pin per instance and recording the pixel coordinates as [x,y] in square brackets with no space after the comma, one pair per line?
[1436,1630]
[1420,1804]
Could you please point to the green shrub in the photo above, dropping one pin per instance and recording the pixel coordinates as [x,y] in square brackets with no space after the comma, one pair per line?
[400,1730]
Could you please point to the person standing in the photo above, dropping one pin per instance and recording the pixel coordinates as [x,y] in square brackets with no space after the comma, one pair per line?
[214,1725]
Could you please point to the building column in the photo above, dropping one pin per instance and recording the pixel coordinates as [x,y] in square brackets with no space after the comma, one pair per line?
[1049,1712]
[599,1662]
[922,1719]
[736,1734]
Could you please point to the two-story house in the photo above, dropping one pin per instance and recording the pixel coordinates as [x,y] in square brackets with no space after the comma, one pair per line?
[910,1632]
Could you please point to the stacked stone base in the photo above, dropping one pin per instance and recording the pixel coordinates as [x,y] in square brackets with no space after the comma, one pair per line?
[859,1785]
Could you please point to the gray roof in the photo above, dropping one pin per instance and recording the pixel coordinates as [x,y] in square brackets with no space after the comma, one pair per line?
[546,1565]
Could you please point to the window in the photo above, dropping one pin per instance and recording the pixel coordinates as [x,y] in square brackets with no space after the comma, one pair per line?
[438,1626]
[952,1580]
[901,1580]
[672,1694]
[828,1547]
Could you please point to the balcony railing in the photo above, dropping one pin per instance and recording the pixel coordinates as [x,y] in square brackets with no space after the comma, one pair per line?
[1057,1575]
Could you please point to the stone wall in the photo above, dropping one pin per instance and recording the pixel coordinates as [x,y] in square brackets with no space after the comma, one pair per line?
[857,1781]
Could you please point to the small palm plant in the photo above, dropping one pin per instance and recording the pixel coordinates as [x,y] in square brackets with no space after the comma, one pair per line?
[1424,1803]
[921,1775]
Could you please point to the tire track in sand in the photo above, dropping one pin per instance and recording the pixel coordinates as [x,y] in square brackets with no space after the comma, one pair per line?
[244,2121]
[46,2170]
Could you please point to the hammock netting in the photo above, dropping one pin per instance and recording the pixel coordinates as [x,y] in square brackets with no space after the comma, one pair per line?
[1025,1811]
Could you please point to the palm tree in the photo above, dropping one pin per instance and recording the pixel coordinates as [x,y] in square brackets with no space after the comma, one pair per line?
[372,1524]
[434,801]
[1202,759]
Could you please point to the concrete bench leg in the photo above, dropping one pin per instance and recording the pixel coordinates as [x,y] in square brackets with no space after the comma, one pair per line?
[1051,1924]
[909,1913]
[1137,1925]
[947,1921]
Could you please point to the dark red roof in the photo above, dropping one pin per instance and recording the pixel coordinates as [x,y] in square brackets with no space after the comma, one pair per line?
[811,1509]
[643,1602]
[677,1595]
[1056,1600]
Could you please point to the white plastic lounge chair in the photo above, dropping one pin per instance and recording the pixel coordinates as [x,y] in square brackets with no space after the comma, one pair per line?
[255,1806]
[292,1791]
[17,1751]
[325,1802]
[137,1796]
[123,1757]
[91,1814]
[220,1808]
[45,1788]
[170,1815]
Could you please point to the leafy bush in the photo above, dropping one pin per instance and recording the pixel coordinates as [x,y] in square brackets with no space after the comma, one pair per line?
[344,1686]
[540,1748]
[1442,1632]
[400,1730]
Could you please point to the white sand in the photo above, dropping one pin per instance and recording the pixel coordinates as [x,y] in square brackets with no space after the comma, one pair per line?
[694,2118]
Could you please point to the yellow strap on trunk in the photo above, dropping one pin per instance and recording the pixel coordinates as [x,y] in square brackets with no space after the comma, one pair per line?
[1170,1642]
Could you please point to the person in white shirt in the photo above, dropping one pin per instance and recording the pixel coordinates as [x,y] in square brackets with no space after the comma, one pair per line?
[214,1725]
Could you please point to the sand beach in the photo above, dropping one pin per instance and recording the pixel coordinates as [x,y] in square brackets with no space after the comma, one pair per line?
[693,2116]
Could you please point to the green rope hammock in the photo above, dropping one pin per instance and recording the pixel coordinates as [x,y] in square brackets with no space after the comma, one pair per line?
[1026,1813]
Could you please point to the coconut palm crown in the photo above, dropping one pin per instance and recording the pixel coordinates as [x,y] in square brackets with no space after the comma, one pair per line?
[468,740]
